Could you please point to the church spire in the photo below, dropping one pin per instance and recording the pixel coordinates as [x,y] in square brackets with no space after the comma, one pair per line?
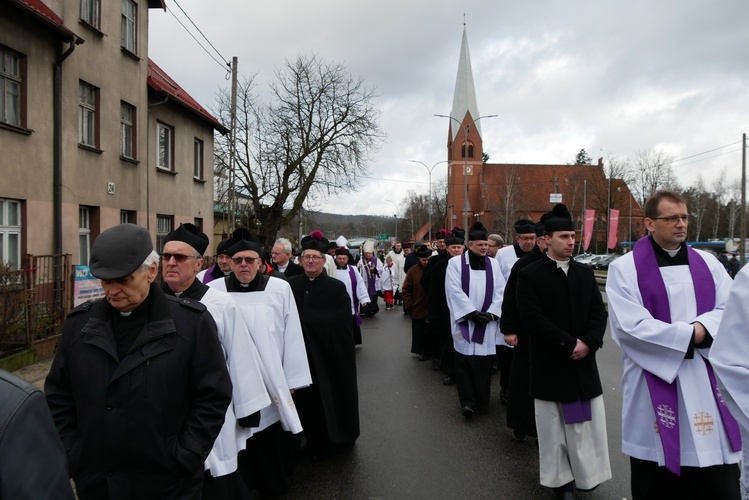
[464,99]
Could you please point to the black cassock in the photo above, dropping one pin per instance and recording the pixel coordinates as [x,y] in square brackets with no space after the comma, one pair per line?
[329,408]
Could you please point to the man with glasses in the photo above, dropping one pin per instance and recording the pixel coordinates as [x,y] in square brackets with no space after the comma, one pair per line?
[666,303]
[222,267]
[329,408]
[525,241]
[139,386]
[268,308]
[496,243]
[182,258]
[281,257]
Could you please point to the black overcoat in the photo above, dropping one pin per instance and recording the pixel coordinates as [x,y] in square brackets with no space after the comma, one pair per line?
[556,310]
[143,427]
[325,313]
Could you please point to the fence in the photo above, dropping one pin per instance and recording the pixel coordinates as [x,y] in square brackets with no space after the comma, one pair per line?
[34,301]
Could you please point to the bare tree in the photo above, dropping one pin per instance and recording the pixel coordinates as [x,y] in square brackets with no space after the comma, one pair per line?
[439,202]
[733,207]
[718,198]
[651,171]
[506,204]
[312,140]
[416,212]
[697,202]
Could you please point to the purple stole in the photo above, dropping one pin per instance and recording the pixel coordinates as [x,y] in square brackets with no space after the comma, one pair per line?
[465,278]
[371,278]
[662,394]
[352,276]
[208,276]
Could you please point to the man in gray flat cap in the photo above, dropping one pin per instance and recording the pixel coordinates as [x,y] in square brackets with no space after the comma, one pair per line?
[139,387]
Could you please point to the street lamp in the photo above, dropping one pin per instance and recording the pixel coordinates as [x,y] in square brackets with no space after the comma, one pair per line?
[466,205]
[396,217]
[430,190]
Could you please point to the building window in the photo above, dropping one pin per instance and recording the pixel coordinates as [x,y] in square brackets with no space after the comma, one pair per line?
[198,221]
[11,87]
[129,25]
[10,233]
[127,130]
[88,114]
[127,217]
[165,140]
[84,235]
[198,159]
[90,12]
[470,149]
[164,225]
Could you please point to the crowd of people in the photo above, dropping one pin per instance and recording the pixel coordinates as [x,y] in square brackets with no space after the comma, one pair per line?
[185,382]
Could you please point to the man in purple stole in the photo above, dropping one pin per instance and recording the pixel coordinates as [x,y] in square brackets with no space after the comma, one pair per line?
[560,305]
[473,287]
[666,303]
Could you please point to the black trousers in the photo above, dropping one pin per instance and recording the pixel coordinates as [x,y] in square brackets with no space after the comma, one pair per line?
[443,331]
[505,355]
[473,375]
[650,481]
[420,339]
[267,461]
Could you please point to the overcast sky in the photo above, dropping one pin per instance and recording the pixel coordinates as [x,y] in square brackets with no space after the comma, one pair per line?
[609,76]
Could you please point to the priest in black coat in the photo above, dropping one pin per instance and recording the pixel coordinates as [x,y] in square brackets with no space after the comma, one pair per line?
[329,408]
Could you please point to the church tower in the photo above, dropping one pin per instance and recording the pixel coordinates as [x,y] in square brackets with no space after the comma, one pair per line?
[464,147]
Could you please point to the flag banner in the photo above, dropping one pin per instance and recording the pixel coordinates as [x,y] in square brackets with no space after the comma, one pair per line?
[590,218]
[613,228]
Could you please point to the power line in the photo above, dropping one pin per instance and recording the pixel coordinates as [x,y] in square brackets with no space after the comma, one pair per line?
[707,158]
[220,63]
[709,151]
[202,34]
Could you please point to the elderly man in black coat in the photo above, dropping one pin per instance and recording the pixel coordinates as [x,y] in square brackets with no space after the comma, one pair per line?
[139,387]
[329,408]
[561,306]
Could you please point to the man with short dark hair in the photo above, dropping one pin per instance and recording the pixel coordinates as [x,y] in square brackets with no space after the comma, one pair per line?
[139,385]
[562,308]
[474,287]
[666,302]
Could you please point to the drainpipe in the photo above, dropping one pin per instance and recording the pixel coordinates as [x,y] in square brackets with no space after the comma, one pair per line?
[57,168]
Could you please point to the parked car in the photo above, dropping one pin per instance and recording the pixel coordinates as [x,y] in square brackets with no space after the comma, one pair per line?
[604,262]
[589,260]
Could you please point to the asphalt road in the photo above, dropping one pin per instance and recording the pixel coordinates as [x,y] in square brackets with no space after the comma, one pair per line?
[414,443]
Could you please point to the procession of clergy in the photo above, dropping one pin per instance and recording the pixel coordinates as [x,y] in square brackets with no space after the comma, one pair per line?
[148,404]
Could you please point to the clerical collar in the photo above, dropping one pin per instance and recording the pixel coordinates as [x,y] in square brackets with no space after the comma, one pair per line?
[564,265]
[396,251]
[476,261]
[678,257]
[282,268]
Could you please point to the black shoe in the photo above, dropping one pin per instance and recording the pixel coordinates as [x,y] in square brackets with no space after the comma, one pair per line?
[467,412]
[519,436]
[423,357]
[503,398]
[449,380]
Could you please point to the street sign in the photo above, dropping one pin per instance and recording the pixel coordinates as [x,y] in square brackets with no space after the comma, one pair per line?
[555,198]
[384,236]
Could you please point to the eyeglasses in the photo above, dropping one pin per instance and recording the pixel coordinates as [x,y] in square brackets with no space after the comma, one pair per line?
[672,219]
[179,258]
[249,260]
[311,257]
[528,238]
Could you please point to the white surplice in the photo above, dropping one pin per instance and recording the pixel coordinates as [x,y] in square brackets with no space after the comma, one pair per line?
[659,347]
[248,390]
[507,257]
[461,304]
[273,320]
[344,276]
[730,358]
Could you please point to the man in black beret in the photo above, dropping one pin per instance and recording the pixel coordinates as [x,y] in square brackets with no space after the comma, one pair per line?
[222,266]
[525,240]
[181,260]
[267,306]
[560,305]
[329,408]
[139,386]
[474,286]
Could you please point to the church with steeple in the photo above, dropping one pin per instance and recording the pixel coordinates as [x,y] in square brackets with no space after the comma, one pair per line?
[498,194]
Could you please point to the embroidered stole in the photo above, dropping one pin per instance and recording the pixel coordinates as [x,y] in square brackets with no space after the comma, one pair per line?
[662,394]
[465,279]
[352,276]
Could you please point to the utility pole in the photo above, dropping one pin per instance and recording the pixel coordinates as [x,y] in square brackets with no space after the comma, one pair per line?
[742,229]
[232,146]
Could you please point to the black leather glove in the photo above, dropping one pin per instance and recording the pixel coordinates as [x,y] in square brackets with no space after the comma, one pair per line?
[478,318]
[489,317]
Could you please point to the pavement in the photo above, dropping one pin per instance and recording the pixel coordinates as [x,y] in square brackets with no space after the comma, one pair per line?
[36,373]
